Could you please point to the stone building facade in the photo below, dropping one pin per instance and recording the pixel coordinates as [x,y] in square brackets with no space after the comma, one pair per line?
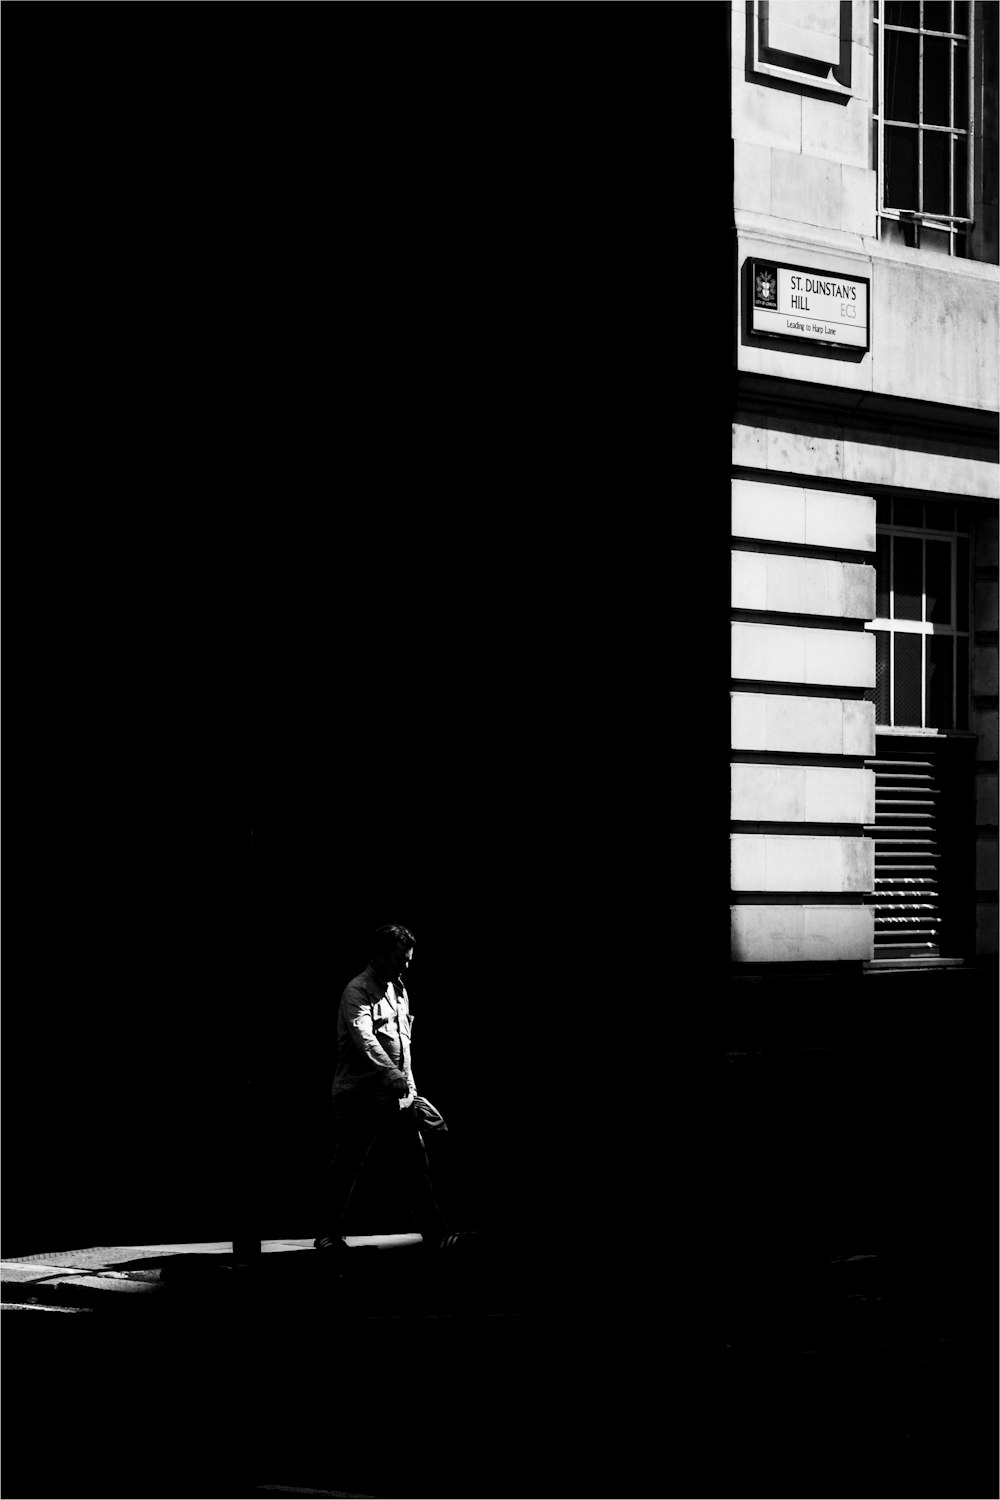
[864,724]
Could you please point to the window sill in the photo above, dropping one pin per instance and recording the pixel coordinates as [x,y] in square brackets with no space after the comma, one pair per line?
[909,965]
[901,732]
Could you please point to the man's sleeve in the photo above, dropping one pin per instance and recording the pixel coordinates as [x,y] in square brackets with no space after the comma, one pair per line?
[404,1039]
[358,1018]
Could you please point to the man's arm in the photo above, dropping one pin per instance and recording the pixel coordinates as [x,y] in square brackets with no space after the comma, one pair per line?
[358,1018]
[404,1044]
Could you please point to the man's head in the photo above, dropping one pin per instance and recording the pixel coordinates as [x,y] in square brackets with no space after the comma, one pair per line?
[392,950]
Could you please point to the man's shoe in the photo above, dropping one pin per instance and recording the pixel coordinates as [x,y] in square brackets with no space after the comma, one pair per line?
[330,1243]
[455,1241]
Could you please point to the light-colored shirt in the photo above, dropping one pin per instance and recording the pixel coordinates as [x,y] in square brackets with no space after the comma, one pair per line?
[373,1039]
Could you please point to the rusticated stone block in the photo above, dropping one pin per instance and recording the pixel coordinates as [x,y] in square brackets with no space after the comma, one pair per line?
[984,670]
[986,799]
[816,726]
[802,654]
[987,929]
[802,794]
[986,724]
[803,586]
[786,862]
[801,934]
[986,862]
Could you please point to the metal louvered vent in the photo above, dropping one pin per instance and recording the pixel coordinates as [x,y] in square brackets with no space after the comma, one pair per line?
[907,855]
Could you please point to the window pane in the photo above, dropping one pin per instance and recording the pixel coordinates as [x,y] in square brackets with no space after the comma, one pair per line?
[937,149]
[962,177]
[939,681]
[900,168]
[938,582]
[902,13]
[883,511]
[937,15]
[899,234]
[935,241]
[940,516]
[962,583]
[882,577]
[908,650]
[908,513]
[881,689]
[902,63]
[937,61]
[962,682]
[907,577]
[961,86]
[962,17]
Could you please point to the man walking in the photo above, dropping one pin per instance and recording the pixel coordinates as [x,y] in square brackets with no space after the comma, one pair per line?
[374,1096]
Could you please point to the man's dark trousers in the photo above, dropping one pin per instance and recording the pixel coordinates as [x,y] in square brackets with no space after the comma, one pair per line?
[360,1121]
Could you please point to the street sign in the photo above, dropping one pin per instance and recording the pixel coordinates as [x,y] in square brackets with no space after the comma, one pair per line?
[808,303]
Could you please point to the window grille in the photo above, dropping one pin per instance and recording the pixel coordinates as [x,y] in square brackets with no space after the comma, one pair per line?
[921,625]
[907,897]
[924,837]
[924,91]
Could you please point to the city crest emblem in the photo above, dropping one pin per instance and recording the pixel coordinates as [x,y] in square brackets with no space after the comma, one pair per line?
[765,288]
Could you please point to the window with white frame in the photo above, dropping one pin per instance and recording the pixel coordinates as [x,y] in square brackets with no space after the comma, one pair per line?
[924,92]
[923,831]
[921,625]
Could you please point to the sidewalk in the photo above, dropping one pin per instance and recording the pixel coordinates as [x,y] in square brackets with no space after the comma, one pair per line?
[166,1371]
[177,1372]
[85,1278]
[479,1279]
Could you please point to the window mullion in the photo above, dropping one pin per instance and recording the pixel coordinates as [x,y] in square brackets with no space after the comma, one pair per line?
[880,123]
[920,116]
[923,620]
[969,126]
[951,139]
[892,632]
[953,572]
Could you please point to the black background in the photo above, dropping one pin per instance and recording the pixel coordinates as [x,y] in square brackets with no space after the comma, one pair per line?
[370,440]
[368,398]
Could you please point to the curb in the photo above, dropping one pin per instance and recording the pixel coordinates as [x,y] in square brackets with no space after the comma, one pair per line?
[65,1289]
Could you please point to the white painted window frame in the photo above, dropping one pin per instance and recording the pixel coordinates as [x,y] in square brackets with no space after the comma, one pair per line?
[952,224]
[890,626]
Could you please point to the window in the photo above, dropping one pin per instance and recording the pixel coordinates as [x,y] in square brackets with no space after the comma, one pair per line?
[924,92]
[924,827]
[921,625]
[924,837]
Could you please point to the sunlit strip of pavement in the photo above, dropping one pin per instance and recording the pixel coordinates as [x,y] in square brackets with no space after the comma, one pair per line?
[102,1257]
[97,1273]
[284,1489]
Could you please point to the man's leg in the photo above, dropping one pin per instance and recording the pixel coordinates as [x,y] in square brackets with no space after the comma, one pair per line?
[357,1122]
[424,1206]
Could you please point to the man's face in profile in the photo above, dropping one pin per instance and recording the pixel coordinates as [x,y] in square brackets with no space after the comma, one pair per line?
[399,961]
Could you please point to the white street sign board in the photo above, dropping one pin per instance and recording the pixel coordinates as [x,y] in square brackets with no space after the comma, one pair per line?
[806,302]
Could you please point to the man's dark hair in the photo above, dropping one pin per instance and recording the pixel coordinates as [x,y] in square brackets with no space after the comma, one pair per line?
[384,939]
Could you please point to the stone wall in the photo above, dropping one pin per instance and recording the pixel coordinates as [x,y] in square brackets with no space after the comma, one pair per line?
[985,716]
[819,433]
[800,794]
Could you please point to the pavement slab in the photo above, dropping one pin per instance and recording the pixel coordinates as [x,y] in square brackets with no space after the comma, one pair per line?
[99,1257]
[489,1282]
[284,1489]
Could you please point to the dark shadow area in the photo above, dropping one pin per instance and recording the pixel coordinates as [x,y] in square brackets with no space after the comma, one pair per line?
[411,560]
